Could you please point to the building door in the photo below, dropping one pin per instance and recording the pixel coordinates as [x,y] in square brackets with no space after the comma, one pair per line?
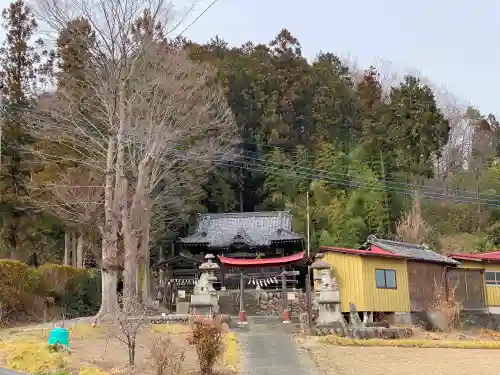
[467,287]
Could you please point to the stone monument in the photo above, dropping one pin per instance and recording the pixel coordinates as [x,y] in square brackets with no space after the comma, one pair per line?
[205,300]
[328,297]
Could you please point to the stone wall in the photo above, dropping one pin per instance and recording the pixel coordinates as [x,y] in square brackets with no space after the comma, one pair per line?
[260,302]
[467,320]
[365,333]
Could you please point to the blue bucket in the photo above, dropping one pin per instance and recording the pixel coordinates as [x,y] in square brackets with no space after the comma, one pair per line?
[59,336]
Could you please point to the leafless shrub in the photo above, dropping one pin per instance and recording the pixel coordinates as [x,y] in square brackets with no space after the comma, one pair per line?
[128,325]
[445,308]
[206,337]
[167,358]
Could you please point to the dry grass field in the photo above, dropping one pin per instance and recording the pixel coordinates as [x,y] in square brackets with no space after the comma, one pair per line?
[355,360]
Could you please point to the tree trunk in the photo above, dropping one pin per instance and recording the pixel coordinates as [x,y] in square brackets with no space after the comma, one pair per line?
[74,245]
[146,278]
[130,268]
[109,233]
[79,251]
[109,297]
[133,224]
[67,247]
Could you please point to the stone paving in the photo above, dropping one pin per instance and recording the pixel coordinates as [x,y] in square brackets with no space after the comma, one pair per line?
[268,349]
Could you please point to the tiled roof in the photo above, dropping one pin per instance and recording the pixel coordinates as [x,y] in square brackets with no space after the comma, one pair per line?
[251,228]
[493,256]
[408,250]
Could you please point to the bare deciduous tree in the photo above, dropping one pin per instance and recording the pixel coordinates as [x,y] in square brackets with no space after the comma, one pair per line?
[128,325]
[150,116]
[412,227]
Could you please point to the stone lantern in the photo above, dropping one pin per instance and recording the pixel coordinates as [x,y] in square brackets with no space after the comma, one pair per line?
[328,296]
[205,299]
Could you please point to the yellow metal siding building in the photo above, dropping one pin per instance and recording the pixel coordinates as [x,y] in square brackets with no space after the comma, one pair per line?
[356,279]
[386,300]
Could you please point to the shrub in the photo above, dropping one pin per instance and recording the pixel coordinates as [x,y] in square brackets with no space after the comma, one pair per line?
[444,313]
[76,291]
[166,358]
[19,285]
[206,337]
[82,296]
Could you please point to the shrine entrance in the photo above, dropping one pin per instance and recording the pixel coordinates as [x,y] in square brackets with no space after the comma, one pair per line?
[177,277]
[263,274]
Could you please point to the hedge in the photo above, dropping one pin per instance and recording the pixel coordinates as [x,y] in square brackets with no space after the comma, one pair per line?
[25,290]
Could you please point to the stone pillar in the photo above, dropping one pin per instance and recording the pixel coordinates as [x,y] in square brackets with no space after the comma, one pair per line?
[328,299]
[205,299]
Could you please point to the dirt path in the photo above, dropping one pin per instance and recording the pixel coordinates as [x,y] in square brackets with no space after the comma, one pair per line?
[336,360]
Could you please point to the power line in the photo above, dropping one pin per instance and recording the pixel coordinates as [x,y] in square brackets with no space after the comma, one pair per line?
[197,18]
[315,174]
[373,187]
[386,182]
[193,5]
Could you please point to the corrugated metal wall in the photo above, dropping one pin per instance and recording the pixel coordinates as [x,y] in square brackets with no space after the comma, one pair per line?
[348,269]
[356,279]
[386,300]
[492,291]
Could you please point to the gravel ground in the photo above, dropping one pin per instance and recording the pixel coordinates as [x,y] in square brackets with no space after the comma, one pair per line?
[268,349]
[4,371]
[337,360]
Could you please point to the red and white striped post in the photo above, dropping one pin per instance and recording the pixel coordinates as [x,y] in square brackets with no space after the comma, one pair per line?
[242,315]
[287,318]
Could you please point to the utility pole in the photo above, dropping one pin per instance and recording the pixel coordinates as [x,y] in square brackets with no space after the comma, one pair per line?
[307,226]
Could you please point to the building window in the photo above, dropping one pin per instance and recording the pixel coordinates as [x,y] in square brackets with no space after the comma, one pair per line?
[385,279]
[492,278]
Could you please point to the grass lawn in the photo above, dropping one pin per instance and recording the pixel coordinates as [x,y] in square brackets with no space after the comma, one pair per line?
[94,351]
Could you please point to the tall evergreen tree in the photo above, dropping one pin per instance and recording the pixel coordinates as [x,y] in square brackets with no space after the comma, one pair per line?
[21,67]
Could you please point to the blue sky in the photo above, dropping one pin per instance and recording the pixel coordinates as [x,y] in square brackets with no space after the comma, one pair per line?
[453,43]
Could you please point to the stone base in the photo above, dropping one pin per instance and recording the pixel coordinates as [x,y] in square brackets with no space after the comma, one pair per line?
[366,332]
[204,310]
[402,318]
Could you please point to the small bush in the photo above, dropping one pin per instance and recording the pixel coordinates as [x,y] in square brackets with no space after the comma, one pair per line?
[166,358]
[206,337]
